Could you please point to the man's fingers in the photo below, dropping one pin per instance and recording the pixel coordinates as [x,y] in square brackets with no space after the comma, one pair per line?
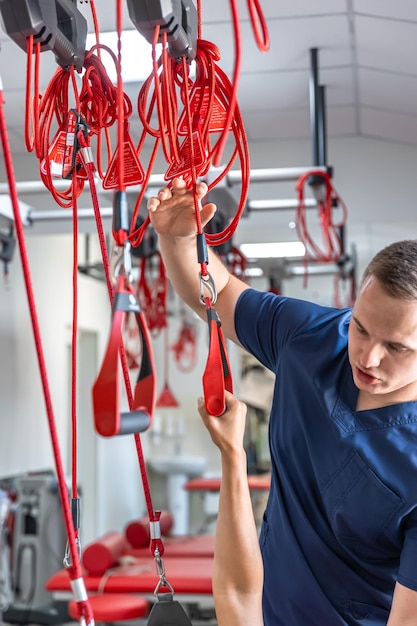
[152,204]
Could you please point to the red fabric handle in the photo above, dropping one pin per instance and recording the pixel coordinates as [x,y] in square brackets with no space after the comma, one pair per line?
[217,375]
[108,419]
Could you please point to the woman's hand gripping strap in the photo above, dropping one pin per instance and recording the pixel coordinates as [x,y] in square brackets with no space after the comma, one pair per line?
[108,419]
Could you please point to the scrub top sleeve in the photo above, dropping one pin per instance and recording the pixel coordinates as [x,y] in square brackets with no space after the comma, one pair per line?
[265,322]
[407,574]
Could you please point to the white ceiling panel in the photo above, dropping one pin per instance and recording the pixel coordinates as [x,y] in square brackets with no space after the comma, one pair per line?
[386,125]
[396,92]
[286,90]
[341,121]
[387,44]
[288,124]
[218,10]
[339,85]
[397,10]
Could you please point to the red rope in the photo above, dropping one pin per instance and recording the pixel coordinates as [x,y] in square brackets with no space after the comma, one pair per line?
[236,75]
[74,344]
[153,515]
[152,289]
[259,26]
[185,347]
[331,247]
[32,114]
[74,570]
[203,102]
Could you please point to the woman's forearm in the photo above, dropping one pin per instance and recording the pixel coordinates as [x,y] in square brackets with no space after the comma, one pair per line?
[238,569]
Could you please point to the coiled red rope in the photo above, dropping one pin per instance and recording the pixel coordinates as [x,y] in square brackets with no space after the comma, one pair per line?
[330,248]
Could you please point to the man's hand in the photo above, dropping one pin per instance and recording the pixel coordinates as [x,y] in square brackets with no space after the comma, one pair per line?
[172,211]
[227,430]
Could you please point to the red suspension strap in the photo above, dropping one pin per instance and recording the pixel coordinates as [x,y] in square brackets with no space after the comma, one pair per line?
[205,106]
[109,420]
[72,558]
[142,402]
[185,347]
[145,383]
[327,199]
[152,289]
[190,114]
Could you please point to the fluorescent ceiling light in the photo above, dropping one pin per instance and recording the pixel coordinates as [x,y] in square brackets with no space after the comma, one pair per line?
[136,55]
[273,250]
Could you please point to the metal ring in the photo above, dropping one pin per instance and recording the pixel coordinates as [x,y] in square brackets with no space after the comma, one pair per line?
[207,282]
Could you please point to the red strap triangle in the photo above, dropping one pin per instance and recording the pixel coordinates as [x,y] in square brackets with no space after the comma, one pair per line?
[56,155]
[184,166]
[133,171]
[198,107]
[166,398]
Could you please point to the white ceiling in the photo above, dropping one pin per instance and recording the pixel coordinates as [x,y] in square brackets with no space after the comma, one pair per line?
[367,52]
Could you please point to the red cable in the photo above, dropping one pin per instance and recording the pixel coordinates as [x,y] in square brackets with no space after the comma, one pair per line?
[217,374]
[74,350]
[32,115]
[331,238]
[152,292]
[259,26]
[208,97]
[74,570]
[185,348]
[152,514]
[120,116]
[236,75]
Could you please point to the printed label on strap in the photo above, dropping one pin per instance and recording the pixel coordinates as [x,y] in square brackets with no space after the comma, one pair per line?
[184,166]
[56,155]
[199,104]
[133,172]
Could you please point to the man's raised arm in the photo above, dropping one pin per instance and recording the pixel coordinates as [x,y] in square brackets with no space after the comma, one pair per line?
[172,214]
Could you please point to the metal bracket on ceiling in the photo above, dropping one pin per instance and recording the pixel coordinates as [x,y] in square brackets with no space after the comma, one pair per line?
[56,25]
[177,19]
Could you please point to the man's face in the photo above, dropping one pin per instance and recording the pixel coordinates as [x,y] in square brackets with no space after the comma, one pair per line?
[383,346]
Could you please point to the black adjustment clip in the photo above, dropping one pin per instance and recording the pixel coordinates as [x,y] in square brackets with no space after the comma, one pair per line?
[56,24]
[178,19]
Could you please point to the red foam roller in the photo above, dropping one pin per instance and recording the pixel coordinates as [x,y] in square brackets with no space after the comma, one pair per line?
[104,553]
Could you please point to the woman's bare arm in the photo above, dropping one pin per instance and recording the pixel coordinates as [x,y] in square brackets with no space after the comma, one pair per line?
[238,568]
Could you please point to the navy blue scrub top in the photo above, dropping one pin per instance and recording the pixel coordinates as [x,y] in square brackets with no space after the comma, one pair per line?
[340,526]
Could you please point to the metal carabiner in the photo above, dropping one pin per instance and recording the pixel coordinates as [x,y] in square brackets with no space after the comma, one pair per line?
[160,570]
[67,556]
[127,260]
[207,282]
[121,262]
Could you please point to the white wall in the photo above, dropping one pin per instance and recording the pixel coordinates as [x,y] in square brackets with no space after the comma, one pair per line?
[377,181]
